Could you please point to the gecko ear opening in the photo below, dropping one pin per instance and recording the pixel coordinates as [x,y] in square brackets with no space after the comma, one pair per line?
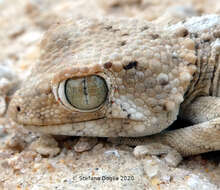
[84,94]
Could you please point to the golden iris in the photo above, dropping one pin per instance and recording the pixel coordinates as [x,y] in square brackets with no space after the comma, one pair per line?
[86,93]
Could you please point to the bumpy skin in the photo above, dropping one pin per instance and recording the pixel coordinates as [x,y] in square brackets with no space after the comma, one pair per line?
[149,71]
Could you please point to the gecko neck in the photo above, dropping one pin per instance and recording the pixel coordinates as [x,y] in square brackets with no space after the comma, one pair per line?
[206,79]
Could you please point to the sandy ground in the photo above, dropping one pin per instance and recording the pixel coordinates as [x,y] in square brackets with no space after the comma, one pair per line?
[106,166]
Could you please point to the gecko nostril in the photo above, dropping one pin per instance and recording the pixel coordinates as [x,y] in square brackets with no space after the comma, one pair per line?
[18,108]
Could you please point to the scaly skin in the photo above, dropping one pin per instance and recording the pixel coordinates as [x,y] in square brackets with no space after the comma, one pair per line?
[149,70]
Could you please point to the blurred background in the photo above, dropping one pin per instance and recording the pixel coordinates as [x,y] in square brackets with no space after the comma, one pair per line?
[22,24]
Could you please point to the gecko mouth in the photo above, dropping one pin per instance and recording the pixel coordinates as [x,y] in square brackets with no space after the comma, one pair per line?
[84,128]
[94,129]
[101,127]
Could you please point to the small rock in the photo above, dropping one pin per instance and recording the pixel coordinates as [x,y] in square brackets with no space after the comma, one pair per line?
[195,183]
[3,132]
[16,32]
[112,152]
[3,106]
[16,143]
[151,167]
[97,147]
[45,145]
[85,143]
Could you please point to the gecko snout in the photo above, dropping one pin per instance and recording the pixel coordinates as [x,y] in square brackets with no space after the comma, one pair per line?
[19,109]
[20,112]
[14,110]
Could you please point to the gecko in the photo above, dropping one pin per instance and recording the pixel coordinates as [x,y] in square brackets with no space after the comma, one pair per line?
[127,79]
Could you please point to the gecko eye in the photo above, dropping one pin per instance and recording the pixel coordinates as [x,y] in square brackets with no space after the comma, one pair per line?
[85,94]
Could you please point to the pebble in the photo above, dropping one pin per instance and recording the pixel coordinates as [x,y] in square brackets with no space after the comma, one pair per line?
[3,106]
[112,152]
[195,183]
[3,132]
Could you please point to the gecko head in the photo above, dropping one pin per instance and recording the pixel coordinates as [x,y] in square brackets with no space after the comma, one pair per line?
[100,78]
